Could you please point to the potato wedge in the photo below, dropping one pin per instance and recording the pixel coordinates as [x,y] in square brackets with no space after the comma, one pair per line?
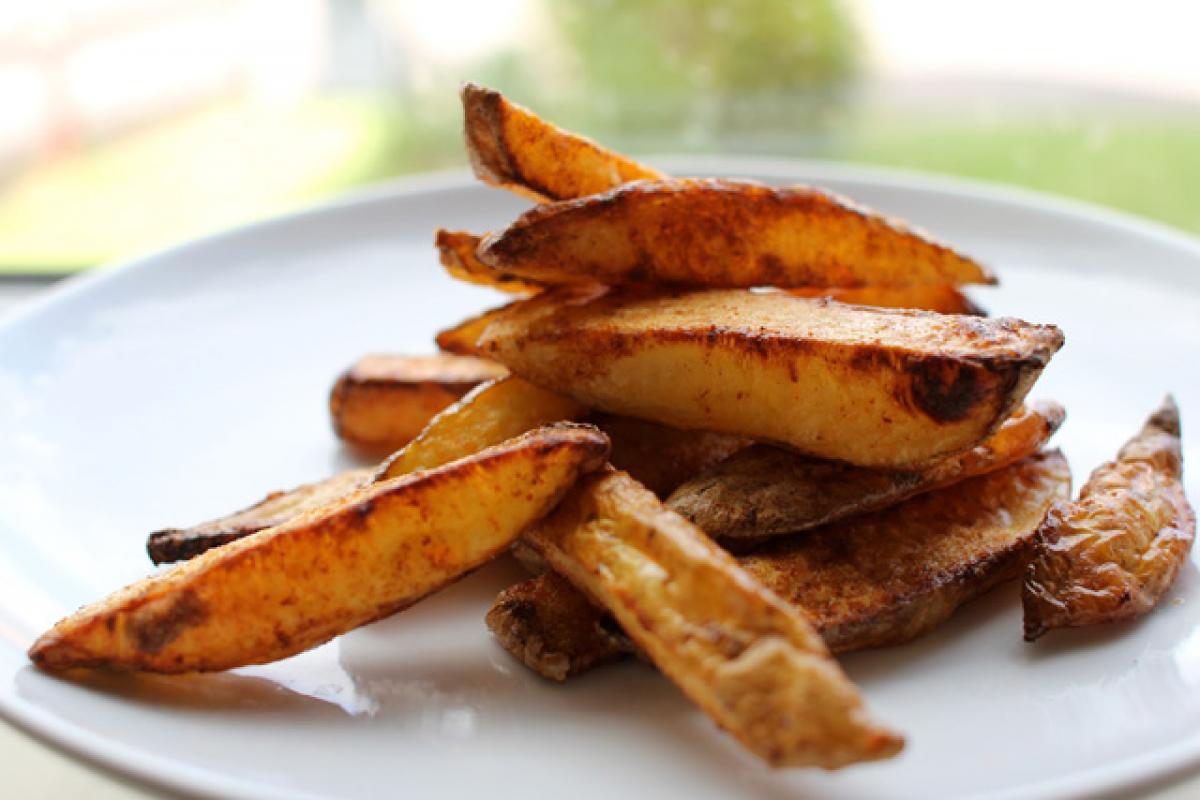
[1112,554]
[936,297]
[181,544]
[552,627]
[723,234]
[876,580]
[510,147]
[661,457]
[491,413]
[462,338]
[764,491]
[456,252]
[383,401]
[750,661]
[873,387]
[290,588]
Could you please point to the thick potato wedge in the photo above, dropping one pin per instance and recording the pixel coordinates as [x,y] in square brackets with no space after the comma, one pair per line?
[181,544]
[491,413]
[661,457]
[553,628]
[456,251]
[875,580]
[286,589]
[382,402]
[721,233]
[750,661]
[512,148]
[873,387]
[764,491]
[1113,553]
[937,297]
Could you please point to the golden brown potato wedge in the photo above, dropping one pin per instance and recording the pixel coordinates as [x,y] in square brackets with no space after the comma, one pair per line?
[512,148]
[456,251]
[721,233]
[764,491]
[552,627]
[874,387]
[661,457]
[491,413]
[746,658]
[888,577]
[180,544]
[937,297]
[462,338]
[383,401]
[1112,554]
[286,589]
[875,580]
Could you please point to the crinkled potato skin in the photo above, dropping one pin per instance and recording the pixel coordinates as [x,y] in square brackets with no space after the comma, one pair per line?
[749,660]
[763,491]
[287,589]
[723,234]
[1112,554]
[510,147]
[796,372]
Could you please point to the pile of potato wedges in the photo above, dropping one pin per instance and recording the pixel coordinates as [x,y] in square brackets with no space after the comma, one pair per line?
[731,428]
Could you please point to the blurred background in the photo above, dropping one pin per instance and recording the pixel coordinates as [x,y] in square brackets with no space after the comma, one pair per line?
[129,124]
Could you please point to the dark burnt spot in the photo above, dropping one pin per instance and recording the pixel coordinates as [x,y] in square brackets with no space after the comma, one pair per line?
[153,628]
[945,390]
[772,269]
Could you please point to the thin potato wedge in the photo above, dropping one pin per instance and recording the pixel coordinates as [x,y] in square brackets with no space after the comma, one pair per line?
[871,581]
[383,401]
[290,588]
[750,661]
[491,413]
[462,338]
[723,234]
[1112,554]
[764,491]
[456,251]
[181,544]
[874,387]
[941,298]
[510,147]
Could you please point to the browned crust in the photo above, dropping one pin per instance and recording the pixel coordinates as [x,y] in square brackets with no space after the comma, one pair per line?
[661,457]
[764,491]
[725,234]
[462,338]
[941,298]
[290,588]
[510,147]
[456,252]
[1115,552]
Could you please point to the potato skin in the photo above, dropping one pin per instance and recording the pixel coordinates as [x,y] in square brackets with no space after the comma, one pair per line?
[383,401]
[510,147]
[723,234]
[747,659]
[290,588]
[456,252]
[661,457]
[874,387]
[763,491]
[1112,554]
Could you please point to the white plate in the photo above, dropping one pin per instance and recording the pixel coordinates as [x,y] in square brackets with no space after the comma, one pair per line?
[193,381]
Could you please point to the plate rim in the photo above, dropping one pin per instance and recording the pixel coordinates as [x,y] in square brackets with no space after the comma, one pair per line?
[1164,765]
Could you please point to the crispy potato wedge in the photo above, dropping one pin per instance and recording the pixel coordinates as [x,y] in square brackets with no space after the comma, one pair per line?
[462,338]
[1112,554]
[874,387]
[936,297]
[491,413]
[871,581]
[661,457]
[510,147]
[724,234]
[746,658]
[383,401]
[456,251]
[764,491]
[181,544]
[290,588]
[552,627]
